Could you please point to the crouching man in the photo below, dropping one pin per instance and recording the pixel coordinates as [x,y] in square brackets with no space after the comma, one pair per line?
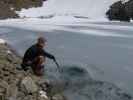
[35,57]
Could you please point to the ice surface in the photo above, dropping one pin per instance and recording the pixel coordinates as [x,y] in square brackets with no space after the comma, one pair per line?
[71,24]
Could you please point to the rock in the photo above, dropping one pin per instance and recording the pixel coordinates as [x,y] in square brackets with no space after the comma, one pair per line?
[44,85]
[20,95]
[13,91]
[129,8]
[42,98]
[6,12]
[29,97]
[2,96]
[2,90]
[6,73]
[20,75]
[4,84]
[43,95]
[8,8]
[117,11]
[58,97]
[122,11]
[29,85]
[17,84]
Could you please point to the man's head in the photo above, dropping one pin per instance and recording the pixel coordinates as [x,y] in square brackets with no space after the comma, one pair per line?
[41,41]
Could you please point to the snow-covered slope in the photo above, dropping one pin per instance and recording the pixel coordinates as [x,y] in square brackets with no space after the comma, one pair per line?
[71,24]
[91,8]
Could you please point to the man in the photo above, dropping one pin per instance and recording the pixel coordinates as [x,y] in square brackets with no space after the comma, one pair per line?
[35,57]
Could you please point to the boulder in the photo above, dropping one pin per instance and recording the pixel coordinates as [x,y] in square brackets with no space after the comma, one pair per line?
[129,8]
[8,8]
[2,97]
[58,97]
[6,12]
[29,85]
[17,84]
[117,11]
[43,95]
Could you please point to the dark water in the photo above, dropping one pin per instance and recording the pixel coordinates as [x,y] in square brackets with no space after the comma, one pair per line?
[99,57]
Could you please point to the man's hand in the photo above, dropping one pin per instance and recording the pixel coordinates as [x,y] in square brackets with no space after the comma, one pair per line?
[53,58]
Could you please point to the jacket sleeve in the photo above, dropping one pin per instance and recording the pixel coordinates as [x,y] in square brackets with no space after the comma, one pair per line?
[50,56]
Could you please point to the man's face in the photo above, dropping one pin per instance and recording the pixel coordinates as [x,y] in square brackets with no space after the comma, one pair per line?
[42,45]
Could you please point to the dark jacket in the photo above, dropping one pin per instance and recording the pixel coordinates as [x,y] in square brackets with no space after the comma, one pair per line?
[33,52]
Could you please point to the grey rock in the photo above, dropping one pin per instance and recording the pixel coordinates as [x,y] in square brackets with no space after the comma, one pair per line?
[2,90]
[13,91]
[58,97]
[42,98]
[4,84]
[2,97]
[20,95]
[29,97]
[17,84]
[29,85]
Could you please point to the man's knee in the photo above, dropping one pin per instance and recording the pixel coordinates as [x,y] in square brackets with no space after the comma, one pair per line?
[40,59]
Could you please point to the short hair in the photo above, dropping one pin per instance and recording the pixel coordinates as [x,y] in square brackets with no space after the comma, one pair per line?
[41,40]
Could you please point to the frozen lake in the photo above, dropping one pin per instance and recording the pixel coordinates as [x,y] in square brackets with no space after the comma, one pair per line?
[106,57]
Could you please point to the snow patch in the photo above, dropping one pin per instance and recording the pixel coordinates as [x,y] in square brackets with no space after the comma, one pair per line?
[2,41]
[90,8]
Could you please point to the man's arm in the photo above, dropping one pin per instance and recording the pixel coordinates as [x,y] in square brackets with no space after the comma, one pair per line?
[50,56]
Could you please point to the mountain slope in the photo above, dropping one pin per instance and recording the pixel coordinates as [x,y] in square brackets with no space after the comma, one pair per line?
[8,7]
[89,8]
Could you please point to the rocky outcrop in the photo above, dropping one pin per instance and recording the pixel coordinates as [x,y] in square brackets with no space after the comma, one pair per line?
[129,8]
[122,11]
[118,12]
[18,4]
[6,11]
[15,84]
[8,7]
